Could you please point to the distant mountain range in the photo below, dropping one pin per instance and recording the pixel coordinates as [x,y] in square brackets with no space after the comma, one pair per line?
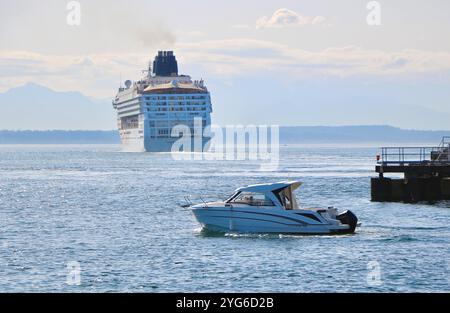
[35,107]
[32,106]
[29,113]
[331,102]
[358,134]
[288,135]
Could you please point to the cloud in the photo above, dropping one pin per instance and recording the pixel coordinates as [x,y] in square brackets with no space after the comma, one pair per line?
[94,74]
[99,74]
[318,20]
[244,56]
[287,18]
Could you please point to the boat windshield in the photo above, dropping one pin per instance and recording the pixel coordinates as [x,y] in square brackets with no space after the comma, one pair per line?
[287,198]
[252,198]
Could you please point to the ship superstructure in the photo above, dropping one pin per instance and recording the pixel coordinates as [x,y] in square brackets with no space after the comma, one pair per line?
[150,108]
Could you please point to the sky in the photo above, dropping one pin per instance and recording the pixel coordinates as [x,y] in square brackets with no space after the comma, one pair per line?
[264,61]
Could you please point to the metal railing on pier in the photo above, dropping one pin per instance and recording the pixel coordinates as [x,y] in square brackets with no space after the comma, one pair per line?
[439,155]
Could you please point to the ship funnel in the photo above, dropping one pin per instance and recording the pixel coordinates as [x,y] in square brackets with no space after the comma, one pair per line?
[165,64]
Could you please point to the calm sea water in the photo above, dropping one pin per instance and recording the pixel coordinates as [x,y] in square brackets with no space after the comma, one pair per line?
[118,215]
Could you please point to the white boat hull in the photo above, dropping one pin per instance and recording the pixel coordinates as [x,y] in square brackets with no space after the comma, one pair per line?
[261,220]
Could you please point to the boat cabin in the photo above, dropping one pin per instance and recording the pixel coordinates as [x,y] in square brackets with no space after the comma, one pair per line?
[276,194]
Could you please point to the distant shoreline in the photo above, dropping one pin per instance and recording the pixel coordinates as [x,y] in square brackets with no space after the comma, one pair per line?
[59,137]
[288,135]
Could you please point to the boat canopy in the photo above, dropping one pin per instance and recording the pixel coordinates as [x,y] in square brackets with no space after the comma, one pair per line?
[263,188]
[280,192]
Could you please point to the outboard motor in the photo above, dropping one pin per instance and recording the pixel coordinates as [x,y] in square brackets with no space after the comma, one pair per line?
[348,218]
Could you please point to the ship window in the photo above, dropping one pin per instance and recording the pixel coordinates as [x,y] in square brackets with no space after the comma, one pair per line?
[252,198]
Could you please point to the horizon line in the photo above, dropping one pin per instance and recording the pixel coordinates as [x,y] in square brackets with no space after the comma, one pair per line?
[281,126]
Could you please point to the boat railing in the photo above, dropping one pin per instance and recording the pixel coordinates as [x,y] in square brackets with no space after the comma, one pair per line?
[204,198]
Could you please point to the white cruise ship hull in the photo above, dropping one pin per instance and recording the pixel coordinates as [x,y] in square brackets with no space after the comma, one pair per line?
[134,142]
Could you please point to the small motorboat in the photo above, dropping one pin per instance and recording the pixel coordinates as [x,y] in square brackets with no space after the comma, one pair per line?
[271,208]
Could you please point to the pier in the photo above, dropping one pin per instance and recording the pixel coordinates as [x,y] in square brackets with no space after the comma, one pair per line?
[426,174]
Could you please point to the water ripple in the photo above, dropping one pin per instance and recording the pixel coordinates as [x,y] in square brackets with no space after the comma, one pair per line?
[117,215]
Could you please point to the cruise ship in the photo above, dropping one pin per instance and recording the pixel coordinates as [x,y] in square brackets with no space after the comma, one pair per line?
[150,108]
